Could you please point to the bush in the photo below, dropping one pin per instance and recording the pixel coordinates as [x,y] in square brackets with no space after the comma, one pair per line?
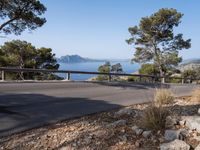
[163,96]
[133,79]
[196,95]
[155,118]
[175,80]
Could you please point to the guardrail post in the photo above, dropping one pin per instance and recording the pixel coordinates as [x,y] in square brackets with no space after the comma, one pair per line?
[68,76]
[2,75]
[140,78]
[182,81]
[163,80]
[109,78]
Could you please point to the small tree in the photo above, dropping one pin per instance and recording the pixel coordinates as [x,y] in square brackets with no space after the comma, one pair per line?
[116,68]
[154,39]
[22,54]
[149,69]
[18,15]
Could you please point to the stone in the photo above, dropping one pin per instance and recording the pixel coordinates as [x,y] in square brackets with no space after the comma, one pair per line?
[175,145]
[171,135]
[182,122]
[117,123]
[198,147]
[170,121]
[124,111]
[193,122]
[137,130]
[134,128]
[146,134]
[183,134]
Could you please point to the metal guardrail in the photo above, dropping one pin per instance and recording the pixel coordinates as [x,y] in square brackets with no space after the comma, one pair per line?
[69,72]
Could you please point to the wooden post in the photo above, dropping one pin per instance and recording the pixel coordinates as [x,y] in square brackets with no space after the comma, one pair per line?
[2,75]
[68,76]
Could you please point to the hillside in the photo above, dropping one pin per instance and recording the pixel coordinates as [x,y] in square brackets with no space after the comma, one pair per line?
[75,59]
[189,64]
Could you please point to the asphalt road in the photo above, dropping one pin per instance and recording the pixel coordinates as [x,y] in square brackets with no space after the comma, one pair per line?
[28,105]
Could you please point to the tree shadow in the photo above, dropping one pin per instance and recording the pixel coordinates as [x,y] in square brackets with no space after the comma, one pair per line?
[20,112]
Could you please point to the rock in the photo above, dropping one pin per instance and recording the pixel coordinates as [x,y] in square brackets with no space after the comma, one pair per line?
[183,134]
[170,121]
[198,147]
[137,144]
[182,122]
[197,138]
[137,130]
[134,128]
[193,122]
[146,134]
[124,111]
[171,135]
[123,138]
[117,123]
[175,145]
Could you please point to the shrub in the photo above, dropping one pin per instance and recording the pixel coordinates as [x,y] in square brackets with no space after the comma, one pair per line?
[163,96]
[133,79]
[196,95]
[155,117]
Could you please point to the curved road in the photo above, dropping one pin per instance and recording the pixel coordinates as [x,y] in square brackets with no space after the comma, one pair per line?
[28,105]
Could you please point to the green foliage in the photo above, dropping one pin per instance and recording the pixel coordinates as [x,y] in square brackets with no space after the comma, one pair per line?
[107,68]
[116,68]
[22,54]
[18,15]
[149,69]
[133,79]
[154,39]
[189,74]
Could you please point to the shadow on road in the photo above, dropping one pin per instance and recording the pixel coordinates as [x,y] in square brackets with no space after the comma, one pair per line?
[19,112]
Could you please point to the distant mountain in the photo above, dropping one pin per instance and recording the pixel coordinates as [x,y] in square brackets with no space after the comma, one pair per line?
[76,59]
[189,64]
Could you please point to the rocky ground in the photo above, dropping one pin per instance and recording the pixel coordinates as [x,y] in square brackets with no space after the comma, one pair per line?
[119,129]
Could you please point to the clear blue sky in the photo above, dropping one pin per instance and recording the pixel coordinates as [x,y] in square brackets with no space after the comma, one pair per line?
[98,28]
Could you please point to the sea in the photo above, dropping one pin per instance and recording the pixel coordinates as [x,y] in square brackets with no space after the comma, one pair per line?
[127,66]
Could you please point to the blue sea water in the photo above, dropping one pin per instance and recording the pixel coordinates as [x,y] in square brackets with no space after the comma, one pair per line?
[127,66]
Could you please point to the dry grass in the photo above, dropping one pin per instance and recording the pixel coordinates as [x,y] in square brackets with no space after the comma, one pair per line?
[196,95]
[163,96]
[155,117]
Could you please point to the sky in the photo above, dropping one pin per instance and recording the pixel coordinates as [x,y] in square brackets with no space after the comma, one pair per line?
[99,28]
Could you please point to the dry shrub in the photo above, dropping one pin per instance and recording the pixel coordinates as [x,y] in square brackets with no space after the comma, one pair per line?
[196,95]
[163,96]
[155,117]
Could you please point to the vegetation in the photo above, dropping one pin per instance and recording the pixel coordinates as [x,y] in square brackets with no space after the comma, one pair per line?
[108,68]
[22,54]
[155,40]
[155,117]
[189,74]
[149,69]
[18,15]
[163,96]
[196,95]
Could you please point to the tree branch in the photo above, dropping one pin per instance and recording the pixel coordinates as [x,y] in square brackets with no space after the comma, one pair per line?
[7,22]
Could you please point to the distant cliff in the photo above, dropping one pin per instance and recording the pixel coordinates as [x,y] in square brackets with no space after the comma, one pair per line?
[76,59]
[190,64]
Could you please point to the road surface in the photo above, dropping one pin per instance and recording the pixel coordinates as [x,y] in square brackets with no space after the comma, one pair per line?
[28,105]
